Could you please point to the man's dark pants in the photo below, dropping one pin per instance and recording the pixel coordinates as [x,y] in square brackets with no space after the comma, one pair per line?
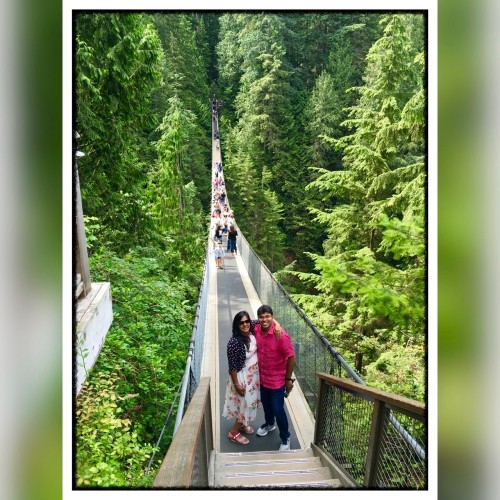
[273,401]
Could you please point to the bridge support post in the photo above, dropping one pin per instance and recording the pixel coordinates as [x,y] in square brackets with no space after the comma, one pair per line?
[374,444]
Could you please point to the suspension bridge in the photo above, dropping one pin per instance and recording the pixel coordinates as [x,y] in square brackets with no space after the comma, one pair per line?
[344,434]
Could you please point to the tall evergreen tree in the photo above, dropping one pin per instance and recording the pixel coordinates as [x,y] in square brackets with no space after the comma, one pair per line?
[371,278]
[119,63]
[185,77]
[229,61]
[176,201]
[324,113]
[268,62]
[264,120]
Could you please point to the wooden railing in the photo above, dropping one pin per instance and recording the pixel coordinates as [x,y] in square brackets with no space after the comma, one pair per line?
[358,426]
[186,464]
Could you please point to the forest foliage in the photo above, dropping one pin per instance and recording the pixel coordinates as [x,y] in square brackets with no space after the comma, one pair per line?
[323,136]
[326,169]
[142,114]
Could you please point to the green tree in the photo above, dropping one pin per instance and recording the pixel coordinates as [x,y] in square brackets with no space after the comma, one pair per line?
[371,278]
[176,203]
[145,230]
[260,136]
[185,77]
[229,61]
[324,113]
[119,63]
[267,65]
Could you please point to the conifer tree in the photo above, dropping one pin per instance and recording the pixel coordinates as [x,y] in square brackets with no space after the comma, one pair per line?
[229,61]
[119,62]
[176,202]
[323,112]
[264,120]
[268,60]
[185,78]
[371,277]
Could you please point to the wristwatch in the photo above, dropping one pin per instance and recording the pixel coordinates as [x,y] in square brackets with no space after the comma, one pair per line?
[292,379]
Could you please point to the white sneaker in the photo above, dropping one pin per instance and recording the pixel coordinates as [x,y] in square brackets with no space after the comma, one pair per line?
[285,445]
[264,429]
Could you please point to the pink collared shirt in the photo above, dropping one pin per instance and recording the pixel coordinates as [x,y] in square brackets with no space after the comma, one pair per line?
[273,355]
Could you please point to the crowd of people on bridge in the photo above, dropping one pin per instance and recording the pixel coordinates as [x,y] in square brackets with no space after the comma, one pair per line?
[222,220]
[260,353]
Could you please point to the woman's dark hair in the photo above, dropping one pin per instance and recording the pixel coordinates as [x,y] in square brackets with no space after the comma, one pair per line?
[236,325]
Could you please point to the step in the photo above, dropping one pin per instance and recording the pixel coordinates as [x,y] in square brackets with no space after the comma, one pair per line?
[325,483]
[249,456]
[292,476]
[268,465]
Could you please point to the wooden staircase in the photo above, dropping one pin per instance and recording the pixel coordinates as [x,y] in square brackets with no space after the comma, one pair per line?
[279,469]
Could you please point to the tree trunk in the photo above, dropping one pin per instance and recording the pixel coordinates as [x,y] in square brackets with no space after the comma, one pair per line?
[359,361]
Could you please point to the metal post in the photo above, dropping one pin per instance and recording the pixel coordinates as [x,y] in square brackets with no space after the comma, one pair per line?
[182,401]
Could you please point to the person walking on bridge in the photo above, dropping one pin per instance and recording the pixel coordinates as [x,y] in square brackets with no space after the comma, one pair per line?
[276,364]
[219,255]
[231,240]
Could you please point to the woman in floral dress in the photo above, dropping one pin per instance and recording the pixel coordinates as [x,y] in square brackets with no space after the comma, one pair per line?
[243,384]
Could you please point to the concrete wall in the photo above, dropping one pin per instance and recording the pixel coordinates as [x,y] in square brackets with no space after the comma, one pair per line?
[94,315]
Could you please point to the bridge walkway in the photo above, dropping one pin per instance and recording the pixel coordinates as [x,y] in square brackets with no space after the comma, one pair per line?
[231,291]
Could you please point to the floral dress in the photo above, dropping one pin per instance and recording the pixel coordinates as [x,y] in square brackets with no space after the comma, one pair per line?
[244,408]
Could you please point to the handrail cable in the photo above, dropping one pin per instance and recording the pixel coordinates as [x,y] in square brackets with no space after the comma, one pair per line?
[162,431]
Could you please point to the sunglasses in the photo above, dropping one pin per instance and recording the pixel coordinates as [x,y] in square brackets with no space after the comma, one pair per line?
[245,322]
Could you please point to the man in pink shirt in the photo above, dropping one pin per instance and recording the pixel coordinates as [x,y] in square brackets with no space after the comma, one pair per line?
[276,364]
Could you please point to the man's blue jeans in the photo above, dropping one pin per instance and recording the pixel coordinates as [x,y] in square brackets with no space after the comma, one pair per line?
[273,401]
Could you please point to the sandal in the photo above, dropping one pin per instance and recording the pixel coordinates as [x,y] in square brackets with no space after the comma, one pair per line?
[246,429]
[237,438]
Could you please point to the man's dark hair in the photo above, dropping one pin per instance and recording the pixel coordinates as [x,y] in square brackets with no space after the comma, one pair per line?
[264,309]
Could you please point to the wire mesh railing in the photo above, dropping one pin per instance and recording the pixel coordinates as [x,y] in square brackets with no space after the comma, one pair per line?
[192,372]
[400,465]
[343,430]
[368,448]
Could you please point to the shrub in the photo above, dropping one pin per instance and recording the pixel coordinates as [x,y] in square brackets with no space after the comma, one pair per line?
[109,451]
